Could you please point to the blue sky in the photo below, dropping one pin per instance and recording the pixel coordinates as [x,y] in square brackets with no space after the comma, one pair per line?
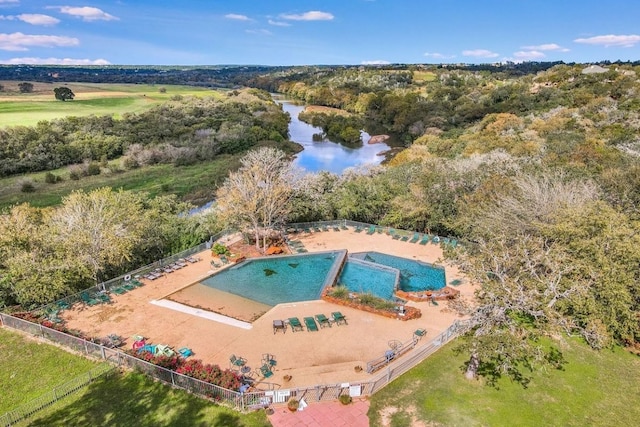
[287,32]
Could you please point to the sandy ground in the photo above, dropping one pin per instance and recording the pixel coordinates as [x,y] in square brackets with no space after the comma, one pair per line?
[327,356]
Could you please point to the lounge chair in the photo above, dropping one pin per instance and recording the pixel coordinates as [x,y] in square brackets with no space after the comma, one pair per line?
[88,299]
[371,230]
[310,324]
[419,333]
[344,226]
[456,282]
[103,298]
[164,350]
[185,352]
[128,286]
[149,348]
[316,229]
[404,238]
[118,290]
[394,234]
[425,239]
[295,324]
[325,227]
[63,305]
[336,228]
[435,240]
[269,359]
[237,361]
[338,318]
[358,229]
[224,259]
[265,371]
[415,238]
[323,320]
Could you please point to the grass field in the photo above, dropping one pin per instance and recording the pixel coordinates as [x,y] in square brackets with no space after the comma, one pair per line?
[423,76]
[594,389]
[196,183]
[29,368]
[91,98]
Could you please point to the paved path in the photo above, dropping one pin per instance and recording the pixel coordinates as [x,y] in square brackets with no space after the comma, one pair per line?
[323,414]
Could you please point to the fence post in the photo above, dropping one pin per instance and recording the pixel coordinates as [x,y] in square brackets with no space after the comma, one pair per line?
[102,353]
[41,330]
[173,383]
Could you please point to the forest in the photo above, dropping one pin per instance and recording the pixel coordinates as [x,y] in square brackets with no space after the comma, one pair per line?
[536,171]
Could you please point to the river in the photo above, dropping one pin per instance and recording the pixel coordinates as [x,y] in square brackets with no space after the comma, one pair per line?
[328,155]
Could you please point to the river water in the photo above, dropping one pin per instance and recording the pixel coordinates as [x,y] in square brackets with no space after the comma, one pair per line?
[328,155]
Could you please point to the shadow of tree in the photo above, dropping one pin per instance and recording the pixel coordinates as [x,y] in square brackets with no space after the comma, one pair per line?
[134,399]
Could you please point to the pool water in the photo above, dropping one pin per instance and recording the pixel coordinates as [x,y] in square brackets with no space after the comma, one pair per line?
[276,280]
[415,276]
[364,277]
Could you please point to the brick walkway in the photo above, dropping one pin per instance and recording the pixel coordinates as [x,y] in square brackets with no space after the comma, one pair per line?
[323,414]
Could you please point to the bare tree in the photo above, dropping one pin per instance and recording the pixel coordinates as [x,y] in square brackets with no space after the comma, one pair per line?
[257,196]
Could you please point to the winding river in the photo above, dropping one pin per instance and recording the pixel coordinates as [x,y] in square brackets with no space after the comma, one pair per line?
[328,155]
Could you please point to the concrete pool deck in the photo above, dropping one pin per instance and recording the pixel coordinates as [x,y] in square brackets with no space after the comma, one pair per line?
[327,356]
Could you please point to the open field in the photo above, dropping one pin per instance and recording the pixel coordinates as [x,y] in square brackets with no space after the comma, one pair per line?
[196,183]
[29,368]
[423,76]
[594,389]
[91,98]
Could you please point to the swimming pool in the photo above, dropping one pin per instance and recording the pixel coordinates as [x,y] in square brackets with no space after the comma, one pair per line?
[276,280]
[415,276]
[366,277]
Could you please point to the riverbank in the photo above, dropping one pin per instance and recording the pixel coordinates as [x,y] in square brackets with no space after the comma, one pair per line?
[377,139]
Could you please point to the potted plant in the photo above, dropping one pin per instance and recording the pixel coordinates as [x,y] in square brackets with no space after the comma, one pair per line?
[345,399]
[287,378]
[293,404]
[358,368]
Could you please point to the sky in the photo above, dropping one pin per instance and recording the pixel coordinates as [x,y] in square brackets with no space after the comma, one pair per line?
[315,32]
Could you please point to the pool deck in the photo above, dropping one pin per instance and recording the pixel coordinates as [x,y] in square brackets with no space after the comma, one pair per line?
[327,356]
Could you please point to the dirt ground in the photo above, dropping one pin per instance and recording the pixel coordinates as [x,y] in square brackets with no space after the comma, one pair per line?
[327,356]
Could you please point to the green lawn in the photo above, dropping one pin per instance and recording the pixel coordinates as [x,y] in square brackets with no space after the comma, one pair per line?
[594,389]
[91,98]
[135,400]
[29,368]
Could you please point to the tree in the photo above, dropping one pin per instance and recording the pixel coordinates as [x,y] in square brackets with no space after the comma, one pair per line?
[256,197]
[25,87]
[102,227]
[63,93]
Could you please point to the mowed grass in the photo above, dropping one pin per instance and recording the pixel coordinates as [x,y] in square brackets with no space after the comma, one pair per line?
[424,76]
[594,389]
[195,183]
[30,368]
[91,98]
[133,399]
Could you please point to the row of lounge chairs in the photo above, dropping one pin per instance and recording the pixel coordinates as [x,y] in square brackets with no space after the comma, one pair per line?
[317,228]
[312,323]
[170,268]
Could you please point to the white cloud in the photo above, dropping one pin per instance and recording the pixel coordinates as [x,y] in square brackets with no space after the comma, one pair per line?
[437,55]
[376,62]
[629,40]
[261,32]
[9,1]
[312,15]
[86,13]
[528,55]
[237,17]
[546,46]
[480,53]
[54,61]
[278,23]
[22,42]
[38,19]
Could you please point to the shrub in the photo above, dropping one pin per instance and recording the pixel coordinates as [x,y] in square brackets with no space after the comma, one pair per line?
[293,404]
[74,175]
[345,399]
[220,249]
[340,292]
[130,162]
[93,168]
[27,186]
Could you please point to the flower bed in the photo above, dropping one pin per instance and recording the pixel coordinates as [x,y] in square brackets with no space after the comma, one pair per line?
[354,301]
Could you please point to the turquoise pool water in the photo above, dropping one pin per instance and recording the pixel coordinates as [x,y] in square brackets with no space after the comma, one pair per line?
[415,276]
[364,277]
[276,280]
